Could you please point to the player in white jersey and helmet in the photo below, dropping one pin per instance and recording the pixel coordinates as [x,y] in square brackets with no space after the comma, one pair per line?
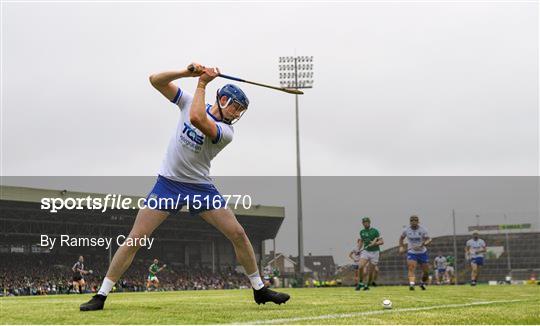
[354,255]
[203,130]
[440,264]
[417,254]
[474,250]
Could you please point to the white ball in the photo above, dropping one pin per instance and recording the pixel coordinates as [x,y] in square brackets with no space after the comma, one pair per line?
[387,304]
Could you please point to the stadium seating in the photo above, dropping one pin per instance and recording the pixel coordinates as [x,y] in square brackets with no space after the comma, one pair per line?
[34,274]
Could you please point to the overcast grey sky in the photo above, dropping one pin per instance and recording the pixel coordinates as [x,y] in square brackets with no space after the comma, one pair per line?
[404,88]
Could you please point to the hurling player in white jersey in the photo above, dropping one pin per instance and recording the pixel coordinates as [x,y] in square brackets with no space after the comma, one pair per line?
[417,240]
[475,249]
[203,130]
[440,264]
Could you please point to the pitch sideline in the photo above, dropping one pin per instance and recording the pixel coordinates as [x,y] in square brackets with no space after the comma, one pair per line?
[374,312]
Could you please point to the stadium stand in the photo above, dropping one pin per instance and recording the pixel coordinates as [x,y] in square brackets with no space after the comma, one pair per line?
[197,255]
[37,274]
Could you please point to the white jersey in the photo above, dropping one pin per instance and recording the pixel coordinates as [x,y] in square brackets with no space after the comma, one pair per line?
[356,253]
[190,151]
[475,246]
[440,262]
[415,239]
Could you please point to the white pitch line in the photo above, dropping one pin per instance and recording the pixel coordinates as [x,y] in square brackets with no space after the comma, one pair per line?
[374,312]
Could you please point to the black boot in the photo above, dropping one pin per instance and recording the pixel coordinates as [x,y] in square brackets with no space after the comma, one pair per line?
[265,295]
[96,303]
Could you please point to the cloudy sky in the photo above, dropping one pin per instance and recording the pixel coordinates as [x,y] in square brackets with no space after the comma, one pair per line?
[401,88]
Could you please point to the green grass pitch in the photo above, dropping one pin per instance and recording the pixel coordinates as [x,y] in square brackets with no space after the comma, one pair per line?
[519,304]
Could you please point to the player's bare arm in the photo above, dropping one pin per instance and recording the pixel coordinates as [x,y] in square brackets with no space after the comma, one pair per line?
[376,242]
[163,81]
[197,114]
[401,244]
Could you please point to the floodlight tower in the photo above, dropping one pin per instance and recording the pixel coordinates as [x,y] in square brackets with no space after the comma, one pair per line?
[297,72]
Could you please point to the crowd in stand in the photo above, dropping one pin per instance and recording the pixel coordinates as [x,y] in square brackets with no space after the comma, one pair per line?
[51,274]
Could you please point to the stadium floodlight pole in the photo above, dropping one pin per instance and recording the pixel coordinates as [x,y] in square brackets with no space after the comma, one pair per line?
[455,248]
[507,246]
[296,72]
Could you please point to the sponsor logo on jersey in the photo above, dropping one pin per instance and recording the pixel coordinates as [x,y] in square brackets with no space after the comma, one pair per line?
[192,134]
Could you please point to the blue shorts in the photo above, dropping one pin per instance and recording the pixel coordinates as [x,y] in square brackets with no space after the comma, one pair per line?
[441,270]
[170,196]
[478,261]
[422,258]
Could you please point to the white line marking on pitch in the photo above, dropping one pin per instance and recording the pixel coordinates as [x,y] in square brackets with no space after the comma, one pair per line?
[374,312]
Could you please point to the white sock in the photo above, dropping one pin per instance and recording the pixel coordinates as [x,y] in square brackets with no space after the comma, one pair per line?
[256,281]
[106,286]
[411,283]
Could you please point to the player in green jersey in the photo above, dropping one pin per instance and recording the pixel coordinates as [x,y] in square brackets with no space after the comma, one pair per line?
[152,275]
[369,258]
